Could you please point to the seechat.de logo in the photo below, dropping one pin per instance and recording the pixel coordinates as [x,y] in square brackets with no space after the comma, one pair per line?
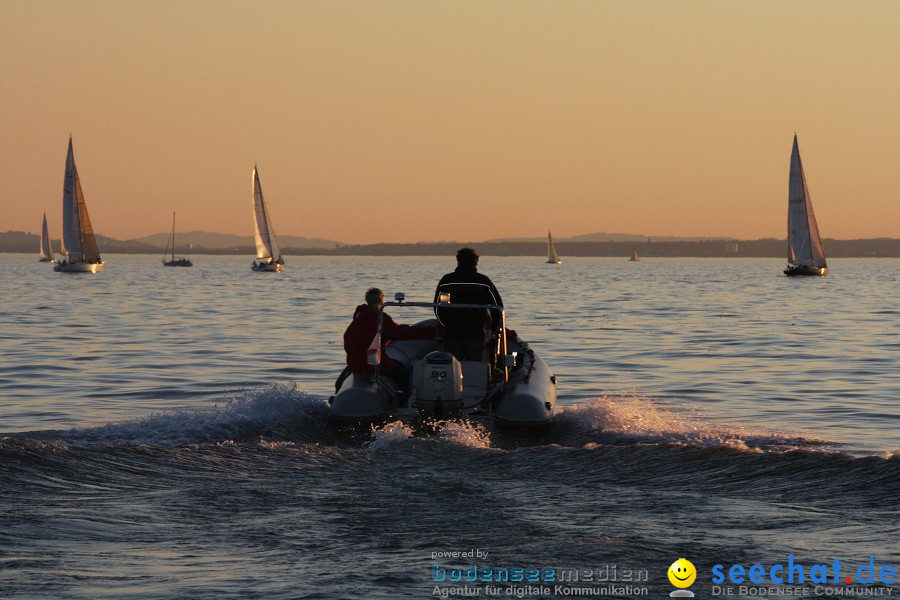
[793,572]
[682,574]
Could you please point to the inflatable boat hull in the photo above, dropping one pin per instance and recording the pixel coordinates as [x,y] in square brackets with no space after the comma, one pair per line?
[526,401]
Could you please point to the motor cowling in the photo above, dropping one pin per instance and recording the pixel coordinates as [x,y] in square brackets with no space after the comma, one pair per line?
[438,386]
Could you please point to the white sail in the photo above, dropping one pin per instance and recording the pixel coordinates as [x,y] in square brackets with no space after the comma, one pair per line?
[804,243]
[78,241]
[266,244]
[46,249]
[552,255]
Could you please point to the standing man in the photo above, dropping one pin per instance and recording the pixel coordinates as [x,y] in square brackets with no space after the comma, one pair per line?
[466,331]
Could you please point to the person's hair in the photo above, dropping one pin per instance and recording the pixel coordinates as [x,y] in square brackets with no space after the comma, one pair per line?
[373,295]
[467,257]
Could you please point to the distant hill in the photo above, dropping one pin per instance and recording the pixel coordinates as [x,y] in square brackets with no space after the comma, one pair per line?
[222,241]
[610,237]
[22,242]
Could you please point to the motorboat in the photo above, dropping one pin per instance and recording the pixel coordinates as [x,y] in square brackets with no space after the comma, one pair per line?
[513,387]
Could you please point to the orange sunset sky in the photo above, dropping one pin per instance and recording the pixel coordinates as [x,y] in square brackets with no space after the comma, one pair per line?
[423,120]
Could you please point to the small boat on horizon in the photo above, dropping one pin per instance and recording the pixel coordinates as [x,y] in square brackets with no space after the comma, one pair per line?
[180,261]
[79,245]
[268,255]
[635,257]
[806,256]
[46,248]
[552,254]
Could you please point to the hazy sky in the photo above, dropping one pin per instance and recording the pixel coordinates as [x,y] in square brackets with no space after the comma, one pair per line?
[427,120]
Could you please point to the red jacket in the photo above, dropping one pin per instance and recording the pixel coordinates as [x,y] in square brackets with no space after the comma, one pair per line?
[362,330]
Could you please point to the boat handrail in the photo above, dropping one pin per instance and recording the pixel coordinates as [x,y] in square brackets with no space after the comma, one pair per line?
[496,307]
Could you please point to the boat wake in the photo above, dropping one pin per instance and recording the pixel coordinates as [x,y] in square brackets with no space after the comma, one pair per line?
[635,419]
[273,413]
[625,440]
[284,414]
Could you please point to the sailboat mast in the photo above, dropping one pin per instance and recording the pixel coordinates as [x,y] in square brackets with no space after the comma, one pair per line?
[173,235]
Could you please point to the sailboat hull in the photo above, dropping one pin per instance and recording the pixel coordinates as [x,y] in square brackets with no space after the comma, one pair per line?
[267,267]
[178,262]
[79,267]
[793,270]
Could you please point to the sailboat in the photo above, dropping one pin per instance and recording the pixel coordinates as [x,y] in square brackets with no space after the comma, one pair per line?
[78,242]
[805,253]
[268,255]
[552,255]
[46,250]
[168,261]
[635,256]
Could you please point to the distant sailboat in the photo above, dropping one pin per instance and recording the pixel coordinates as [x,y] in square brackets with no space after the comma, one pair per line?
[78,242]
[635,256]
[268,255]
[46,249]
[172,261]
[552,255]
[805,253]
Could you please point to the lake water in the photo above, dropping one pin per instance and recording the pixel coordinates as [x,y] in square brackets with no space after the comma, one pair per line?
[163,434]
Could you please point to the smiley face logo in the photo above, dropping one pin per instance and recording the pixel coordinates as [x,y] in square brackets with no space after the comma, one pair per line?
[682,573]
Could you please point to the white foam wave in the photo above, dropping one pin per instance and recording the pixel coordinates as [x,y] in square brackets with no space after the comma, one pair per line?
[465,433]
[460,433]
[635,417]
[389,434]
[275,410]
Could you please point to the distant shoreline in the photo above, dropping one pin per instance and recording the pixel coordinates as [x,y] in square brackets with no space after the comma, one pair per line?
[712,248]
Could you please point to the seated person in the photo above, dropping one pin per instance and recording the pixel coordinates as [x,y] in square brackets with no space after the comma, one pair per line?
[466,331]
[362,331]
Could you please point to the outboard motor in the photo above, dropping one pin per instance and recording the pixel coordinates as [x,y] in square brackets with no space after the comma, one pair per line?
[438,386]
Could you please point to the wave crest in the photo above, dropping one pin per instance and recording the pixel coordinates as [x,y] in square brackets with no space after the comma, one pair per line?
[633,418]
